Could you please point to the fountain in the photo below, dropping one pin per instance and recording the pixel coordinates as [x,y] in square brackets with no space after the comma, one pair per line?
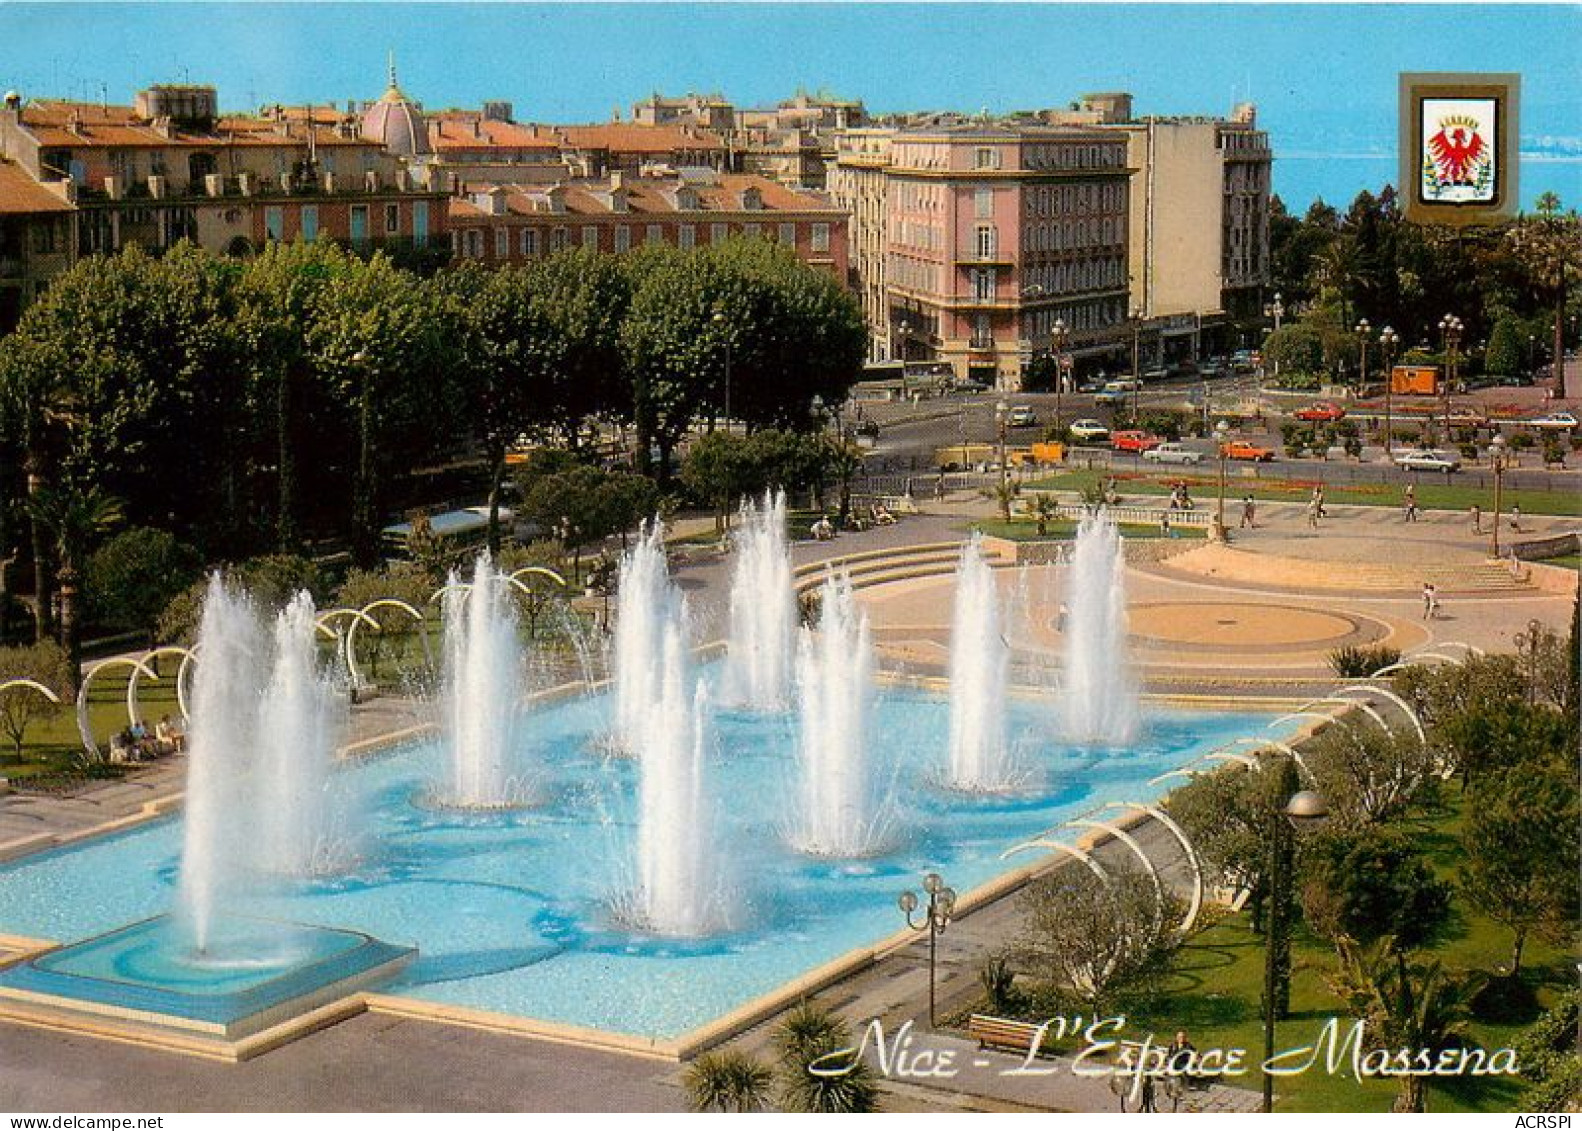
[306,825]
[1100,696]
[841,803]
[676,845]
[645,603]
[217,844]
[484,675]
[979,671]
[763,610]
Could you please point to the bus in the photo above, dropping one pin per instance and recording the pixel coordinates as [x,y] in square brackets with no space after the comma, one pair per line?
[459,533]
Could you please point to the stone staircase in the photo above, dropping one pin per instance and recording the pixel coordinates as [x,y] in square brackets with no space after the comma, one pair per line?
[880,567]
[1242,567]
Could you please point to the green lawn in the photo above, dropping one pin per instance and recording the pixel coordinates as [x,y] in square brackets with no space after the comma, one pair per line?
[1025,530]
[1216,982]
[1432,492]
[52,741]
[1569,561]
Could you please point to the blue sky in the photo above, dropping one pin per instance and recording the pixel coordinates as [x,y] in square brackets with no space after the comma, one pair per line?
[1322,75]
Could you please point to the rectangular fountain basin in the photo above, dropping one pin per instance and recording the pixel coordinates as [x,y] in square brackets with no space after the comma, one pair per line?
[145,981]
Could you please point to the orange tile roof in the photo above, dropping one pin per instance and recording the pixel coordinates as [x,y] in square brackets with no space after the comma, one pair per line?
[457,134]
[21,195]
[648,196]
[621,138]
[112,127]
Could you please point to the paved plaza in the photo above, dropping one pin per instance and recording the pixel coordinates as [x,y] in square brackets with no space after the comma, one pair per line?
[1256,617]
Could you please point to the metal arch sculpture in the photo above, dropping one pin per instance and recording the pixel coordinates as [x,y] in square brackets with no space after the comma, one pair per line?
[134,709]
[327,621]
[1182,772]
[84,724]
[1283,747]
[1196,863]
[1472,649]
[181,679]
[449,587]
[1365,708]
[1061,846]
[1406,708]
[1325,716]
[31,684]
[1138,851]
[539,571]
[1247,760]
[1411,661]
[363,617]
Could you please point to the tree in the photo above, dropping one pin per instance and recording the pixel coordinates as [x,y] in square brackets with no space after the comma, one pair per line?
[1369,884]
[582,296]
[728,1080]
[1547,1053]
[719,468]
[135,575]
[1549,245]
[402,581]
[1406,1005]
[74,517]
[1505,354]
[810,1036]
[1089,937]
[20,707]
[1520,858]
[271,580]
[1296,348]
[1367,774]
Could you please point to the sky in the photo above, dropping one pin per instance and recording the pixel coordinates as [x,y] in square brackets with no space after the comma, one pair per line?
[1323,75]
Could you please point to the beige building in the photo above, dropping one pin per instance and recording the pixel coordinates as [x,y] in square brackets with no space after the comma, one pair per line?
[858,184]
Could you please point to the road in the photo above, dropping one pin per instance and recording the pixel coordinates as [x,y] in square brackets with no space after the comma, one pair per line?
[910,435]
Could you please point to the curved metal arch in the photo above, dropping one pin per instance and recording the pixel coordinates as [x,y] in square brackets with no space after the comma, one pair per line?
[1247,760]
[32,684]
[1406,708]
[539,571]
[1472,649]
[1060,846]
[1169,823]
[1328,718]
[1365,708]
[330,616]
[352,671]
[134,709]
[457,586]
[84,725]
[181,679]
[1283,747]
[1138,851]
[1183,772]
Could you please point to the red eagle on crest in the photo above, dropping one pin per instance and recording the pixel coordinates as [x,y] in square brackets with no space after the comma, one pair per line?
[1458,151]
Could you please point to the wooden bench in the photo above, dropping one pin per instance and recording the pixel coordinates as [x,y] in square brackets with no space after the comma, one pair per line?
[1001,1033]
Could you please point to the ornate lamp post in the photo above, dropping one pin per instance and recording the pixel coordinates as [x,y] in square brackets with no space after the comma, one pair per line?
[1305,809]
[1363,330]
[720,322]
[941,907]
[1497,461]
[1057,343]
[1276,310]
[1222,437]
[999,424]
[1388,340]
[1450,328]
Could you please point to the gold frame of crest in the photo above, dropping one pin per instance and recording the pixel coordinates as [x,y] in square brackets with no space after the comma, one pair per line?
[1505,90]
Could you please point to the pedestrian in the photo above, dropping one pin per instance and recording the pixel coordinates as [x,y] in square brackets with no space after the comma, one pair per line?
[1164,525]
[1516,518]
[1318,501]
[1312,513]
[939,487]
[1477,519]
[1249,513]
[1430,599]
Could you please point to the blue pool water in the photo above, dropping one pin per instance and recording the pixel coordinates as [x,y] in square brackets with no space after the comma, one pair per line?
[518,912]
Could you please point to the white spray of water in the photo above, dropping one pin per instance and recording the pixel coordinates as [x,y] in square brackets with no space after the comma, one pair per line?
[1100,694]
[979,671]
[763,609]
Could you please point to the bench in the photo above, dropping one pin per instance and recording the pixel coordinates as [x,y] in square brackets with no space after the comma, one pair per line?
[1001,1033]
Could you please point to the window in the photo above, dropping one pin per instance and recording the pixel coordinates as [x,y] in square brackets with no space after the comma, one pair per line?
[529,242]
[557,239]
[393,219]
[420,223]
[982,336]
[359,225]
[653,234]
[820,237]
[623,238]
[988,158]
[502,243]
[475,243]
[719,232]
[274,224]
[310,221]
[590,237]
[687,236]
[787,235]
[986,241]
[752,231]
[983,204]
[983,285]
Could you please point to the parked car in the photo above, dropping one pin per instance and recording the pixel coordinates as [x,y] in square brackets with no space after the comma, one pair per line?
[1091,385]
[1467,418]
[1209,370]
[1157,373]
[1428,459]
[1172,451]
[1089,430]
[1123,385]
[1323,411]
[1134,440]
[1246,449]
[1557,420]
[1021,416]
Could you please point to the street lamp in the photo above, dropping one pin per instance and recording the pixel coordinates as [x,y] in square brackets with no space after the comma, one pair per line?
[941,907]
[1305,809]
[1388,339]
[1450,328]
[1000,423]
[1276,310]
[1497,461]
[1057,341]
[1363,330]
[720,321]
[1221,436]
[905,328]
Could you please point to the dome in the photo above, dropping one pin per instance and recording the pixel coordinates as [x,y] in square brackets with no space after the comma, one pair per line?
[396,123]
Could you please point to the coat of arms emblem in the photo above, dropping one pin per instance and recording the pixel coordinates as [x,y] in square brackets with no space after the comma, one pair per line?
[1458,150]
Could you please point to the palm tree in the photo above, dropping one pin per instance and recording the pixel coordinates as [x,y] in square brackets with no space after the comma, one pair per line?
[1406,1005]
[727,1081]
[809,1034]
[1550,246]
[74,517]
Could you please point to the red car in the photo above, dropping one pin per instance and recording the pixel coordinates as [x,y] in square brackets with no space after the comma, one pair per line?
[1324,412]
[1246,449]
[1134,441]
